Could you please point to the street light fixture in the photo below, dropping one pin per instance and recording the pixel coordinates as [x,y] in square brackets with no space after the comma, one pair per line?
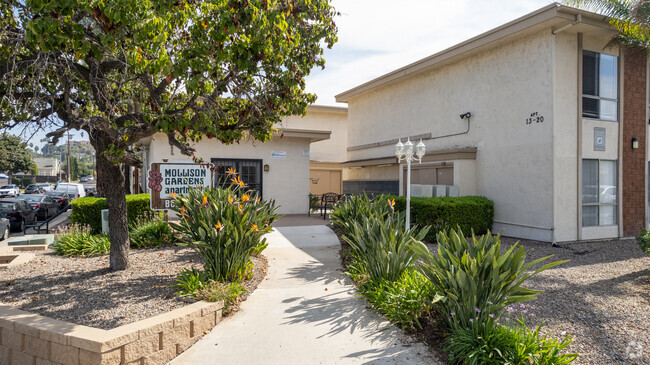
[405,152]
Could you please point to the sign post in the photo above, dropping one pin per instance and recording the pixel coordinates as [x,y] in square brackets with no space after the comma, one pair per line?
[177,178]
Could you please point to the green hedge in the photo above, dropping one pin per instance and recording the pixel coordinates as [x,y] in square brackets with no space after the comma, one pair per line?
[469,212]
[88,210]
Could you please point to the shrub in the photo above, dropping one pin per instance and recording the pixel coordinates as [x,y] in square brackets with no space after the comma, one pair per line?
[88,210]
[357,207]
[405,301]
[215,291]
[381,245]
[467,213]
[644,241]
[150,230]
[476,279]
[189,282]
[225,227]
[77,240]
[496,344]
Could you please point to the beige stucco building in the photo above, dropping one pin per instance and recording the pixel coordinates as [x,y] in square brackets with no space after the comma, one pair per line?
[556,133]
[279,168]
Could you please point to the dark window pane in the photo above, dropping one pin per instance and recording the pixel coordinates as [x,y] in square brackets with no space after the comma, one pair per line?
[589,181]
[590,73]
[590,216]
[589,107]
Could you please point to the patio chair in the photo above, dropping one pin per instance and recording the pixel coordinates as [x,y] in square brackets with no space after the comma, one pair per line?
[328,200]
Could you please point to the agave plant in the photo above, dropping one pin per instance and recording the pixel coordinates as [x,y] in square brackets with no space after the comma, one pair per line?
[475,278]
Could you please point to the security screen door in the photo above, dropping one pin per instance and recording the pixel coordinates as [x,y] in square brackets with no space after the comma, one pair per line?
[250,171]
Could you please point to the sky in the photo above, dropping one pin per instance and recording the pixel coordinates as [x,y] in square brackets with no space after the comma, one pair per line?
[380,36]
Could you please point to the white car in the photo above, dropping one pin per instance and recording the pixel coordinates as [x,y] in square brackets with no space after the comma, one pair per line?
[74,190]
[45,187]
[9,190]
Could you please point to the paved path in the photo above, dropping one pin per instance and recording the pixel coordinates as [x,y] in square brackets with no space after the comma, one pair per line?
[304,312]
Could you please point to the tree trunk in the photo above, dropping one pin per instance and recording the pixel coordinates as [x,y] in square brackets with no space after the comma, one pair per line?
[113,190]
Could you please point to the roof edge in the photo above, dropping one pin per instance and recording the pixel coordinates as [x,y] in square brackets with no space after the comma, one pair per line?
[536,17]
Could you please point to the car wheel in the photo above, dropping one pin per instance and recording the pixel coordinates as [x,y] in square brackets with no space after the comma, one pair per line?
[5,235]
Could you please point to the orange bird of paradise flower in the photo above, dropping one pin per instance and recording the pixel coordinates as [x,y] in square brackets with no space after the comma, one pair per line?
[205,200]
[231,171]
[230,199]
[254,227]
[392,204]
[244,197]
[240,209]
[218,226]
[173,195]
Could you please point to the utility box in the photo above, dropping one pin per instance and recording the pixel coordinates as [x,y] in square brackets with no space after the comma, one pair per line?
[105,221]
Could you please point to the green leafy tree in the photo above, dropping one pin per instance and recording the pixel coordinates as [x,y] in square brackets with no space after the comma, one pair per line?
[14,155]
[630,17]
[123,70]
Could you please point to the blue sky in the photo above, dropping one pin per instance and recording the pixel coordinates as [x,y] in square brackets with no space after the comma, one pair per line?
[379,36]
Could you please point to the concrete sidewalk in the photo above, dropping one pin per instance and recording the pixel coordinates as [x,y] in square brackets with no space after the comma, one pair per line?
[305,312]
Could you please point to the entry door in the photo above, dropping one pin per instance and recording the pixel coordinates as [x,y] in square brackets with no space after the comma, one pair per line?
[249,171]
[324,181]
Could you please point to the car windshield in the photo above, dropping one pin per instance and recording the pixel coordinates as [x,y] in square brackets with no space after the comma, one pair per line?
[32,186]
[30,198]
[5,187]
[6,205]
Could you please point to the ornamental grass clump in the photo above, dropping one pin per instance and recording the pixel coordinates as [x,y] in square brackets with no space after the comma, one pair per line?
[77,240]
[225,226]
[150,230]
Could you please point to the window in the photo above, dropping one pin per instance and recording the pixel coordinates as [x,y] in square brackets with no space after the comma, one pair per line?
[599,86]
[250,171]
[599,196]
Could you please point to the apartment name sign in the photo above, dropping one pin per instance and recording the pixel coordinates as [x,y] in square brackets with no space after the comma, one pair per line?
[167,180]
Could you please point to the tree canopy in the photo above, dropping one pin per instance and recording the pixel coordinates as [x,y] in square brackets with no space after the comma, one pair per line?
[630,17]
[122,70]
[14,156]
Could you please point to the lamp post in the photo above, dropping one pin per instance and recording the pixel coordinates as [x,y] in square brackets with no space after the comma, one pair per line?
[405,152]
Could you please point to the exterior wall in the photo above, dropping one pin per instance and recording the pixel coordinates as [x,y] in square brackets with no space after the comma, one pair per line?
[514,161]
[287,181]
[565,138]
[634,160]
[324,119]
[48,166]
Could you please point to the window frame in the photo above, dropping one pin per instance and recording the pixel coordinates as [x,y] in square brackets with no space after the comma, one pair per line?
[237,161]
[597,86]
[598,203]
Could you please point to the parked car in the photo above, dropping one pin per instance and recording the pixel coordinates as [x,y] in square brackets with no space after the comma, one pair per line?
[9,190]
[60,197]
[18,212]
[90,191]
[46,187]
[33,189]
[86,179]
[44,205]
[4,229]
[74,190]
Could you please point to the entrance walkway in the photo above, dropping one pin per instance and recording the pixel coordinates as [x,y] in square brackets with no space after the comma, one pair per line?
[305,312]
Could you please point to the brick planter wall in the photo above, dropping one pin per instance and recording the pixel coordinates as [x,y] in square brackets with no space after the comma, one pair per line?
[27,338]
[634,125]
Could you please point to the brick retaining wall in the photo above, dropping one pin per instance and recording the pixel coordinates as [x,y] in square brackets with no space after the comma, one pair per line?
[27,338]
